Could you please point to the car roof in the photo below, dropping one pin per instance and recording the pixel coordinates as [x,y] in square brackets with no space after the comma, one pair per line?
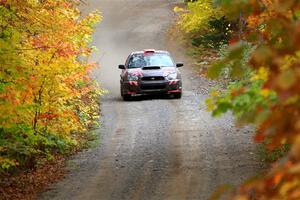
[155,51]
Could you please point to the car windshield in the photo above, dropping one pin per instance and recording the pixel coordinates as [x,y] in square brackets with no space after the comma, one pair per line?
[145,60]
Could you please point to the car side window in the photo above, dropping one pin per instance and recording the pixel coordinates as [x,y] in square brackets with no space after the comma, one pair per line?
[127,61]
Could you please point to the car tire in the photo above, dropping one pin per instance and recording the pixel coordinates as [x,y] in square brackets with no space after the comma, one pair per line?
[177,95]
[126,97]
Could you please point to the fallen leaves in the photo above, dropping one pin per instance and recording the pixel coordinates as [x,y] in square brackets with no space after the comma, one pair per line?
[25,185]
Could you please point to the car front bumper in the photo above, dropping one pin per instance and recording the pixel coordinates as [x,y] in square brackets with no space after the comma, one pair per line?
[151,87]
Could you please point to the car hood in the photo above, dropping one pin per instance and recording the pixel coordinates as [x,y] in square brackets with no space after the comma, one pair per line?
[163,71]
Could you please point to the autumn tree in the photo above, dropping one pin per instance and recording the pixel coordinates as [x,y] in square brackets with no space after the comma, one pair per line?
[48,101]
[274,33]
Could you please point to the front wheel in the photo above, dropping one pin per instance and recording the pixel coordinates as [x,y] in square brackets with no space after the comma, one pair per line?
[177,95]
[126,97]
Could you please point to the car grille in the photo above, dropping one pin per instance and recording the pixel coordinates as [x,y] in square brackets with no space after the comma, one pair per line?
[153,78]
[153,87]
[151,67]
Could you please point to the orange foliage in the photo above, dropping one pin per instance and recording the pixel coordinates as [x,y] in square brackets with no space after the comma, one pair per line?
[276,26]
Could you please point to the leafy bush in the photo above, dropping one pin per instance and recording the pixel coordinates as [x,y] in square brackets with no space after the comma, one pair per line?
[268,155]
[205,24]
[245,93]
[217,36]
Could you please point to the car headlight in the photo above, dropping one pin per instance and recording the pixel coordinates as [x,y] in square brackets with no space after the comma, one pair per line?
[172,76]
[132,78]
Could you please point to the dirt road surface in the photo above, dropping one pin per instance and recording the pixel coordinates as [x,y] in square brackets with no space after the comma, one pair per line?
[154,147]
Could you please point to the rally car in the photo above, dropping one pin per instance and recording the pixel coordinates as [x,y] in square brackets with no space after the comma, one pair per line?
[150,72]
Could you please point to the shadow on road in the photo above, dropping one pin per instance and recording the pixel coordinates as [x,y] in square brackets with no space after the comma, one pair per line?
[151,97]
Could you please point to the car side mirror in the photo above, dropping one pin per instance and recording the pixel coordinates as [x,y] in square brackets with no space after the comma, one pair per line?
[121,66]
[179,64]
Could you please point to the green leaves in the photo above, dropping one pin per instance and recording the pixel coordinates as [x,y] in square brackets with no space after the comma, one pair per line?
[233,62]
[216,69]
[245,93]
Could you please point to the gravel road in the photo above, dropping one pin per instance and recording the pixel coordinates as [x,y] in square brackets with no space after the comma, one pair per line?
[153,147]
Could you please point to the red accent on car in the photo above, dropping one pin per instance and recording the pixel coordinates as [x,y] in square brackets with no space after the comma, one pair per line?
[173,82]
[173,91]
[149,51]
[133,83]
[131,93]
[137,73]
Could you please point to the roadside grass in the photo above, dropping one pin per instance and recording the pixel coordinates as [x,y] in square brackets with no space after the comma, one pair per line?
[93,140]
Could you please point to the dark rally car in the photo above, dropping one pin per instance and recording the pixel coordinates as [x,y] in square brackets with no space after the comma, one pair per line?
[150,72]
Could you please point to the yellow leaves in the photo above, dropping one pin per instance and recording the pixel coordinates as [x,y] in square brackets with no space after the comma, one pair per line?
[6,163]
[265,92]
[177,9]
[291,100]
[196,20]
[286,188]
[210,104]
[286,62]
[289,74]
[214,93]
[262,74]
